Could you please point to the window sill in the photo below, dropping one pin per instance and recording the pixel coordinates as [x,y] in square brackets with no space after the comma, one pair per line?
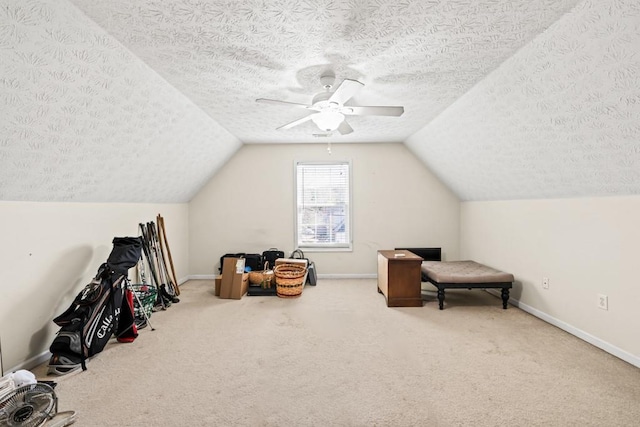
[312,249]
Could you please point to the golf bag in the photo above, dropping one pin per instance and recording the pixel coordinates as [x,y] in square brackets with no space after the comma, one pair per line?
[98,311]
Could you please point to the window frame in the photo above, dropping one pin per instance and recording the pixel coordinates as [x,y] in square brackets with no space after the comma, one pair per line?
[323,247]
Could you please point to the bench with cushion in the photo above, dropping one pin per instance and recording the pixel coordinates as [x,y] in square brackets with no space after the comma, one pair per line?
[465,275]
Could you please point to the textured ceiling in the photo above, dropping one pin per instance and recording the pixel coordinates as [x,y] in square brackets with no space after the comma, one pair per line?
[83,119]
[143,100]
[561,118]
[223,54]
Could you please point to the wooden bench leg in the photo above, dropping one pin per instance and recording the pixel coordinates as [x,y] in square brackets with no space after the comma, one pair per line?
[441,298]
[505,297]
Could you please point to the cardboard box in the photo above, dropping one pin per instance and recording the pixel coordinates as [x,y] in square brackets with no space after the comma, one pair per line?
[245,283]
[218,285]
[304,262]
[235,281]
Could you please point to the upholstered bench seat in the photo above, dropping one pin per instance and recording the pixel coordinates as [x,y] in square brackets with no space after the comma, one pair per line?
[465,275]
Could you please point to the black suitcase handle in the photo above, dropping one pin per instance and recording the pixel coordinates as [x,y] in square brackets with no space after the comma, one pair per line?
[297,254]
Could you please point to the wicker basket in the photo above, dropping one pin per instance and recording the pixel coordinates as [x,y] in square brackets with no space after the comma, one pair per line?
[263,277]
[289,280]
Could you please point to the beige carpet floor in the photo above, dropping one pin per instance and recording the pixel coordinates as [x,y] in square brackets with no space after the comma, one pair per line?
[337,356]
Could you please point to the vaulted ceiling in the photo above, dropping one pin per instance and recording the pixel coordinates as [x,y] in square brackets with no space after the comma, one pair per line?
[144,100]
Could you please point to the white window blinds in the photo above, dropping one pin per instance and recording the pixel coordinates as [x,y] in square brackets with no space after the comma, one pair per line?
[323,205]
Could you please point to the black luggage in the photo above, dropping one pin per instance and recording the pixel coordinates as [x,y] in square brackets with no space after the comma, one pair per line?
[312,277]
[271,255]
[262,292]
[236,255]
[253,261]
[298,254]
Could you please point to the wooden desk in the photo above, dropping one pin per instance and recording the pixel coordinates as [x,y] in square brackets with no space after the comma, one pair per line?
[399,278]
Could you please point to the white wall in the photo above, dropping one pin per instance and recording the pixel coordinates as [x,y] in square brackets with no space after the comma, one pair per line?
[585,247]
[49,251]
[248,206]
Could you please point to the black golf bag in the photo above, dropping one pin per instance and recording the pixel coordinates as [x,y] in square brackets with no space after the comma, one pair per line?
[98,311]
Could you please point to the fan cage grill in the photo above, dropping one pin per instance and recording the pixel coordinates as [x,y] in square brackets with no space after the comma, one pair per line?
[28,406]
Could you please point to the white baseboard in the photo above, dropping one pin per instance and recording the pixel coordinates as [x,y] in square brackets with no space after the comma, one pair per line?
[585,336]
[183,280]
[201,277]
[348,276]
[320,276]
[31,363]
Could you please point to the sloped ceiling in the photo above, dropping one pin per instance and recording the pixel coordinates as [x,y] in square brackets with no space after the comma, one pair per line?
[84,119]
[421,54]
[561,118]
[143,100]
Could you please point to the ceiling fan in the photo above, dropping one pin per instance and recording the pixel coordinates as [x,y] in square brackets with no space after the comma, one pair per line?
[330,109]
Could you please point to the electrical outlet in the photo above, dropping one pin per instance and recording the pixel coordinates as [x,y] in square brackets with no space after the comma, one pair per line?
[603,302]
[545,283]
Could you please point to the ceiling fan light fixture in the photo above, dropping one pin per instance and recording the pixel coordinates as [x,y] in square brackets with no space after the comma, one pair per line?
[327,80]
[330,110]
[328,120]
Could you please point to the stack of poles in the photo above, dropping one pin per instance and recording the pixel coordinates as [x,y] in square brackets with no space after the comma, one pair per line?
[158,255]
[164,242]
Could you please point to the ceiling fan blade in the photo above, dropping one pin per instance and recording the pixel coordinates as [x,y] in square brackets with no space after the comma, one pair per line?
[345,128]
[373,111]
[278,102]
[296,122]
[345,91]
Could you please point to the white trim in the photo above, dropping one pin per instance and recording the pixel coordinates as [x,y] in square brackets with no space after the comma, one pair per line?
[320,276]
[579,333]
[183,280]
[317,249]
[201,277]
[310,247]
[348,276]
[32,363]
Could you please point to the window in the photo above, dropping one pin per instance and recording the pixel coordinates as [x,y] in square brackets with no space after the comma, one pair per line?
[323,200]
